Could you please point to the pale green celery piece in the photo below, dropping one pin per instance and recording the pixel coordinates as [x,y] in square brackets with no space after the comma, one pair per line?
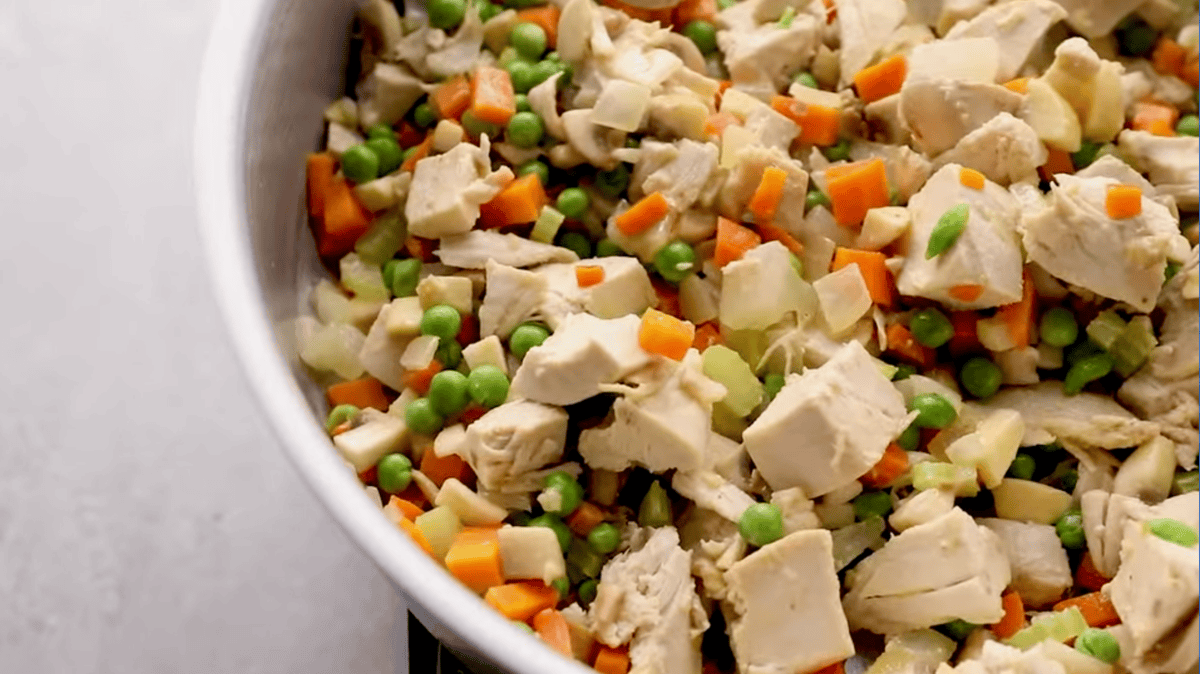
[1105,328]
[743,390]
[751,345]
[363,279]
[789,15]
[383,239]
[887,369]
[937,475]
[1185,482]
[851,541]
[1133,346]
[546,227]
[1057,625]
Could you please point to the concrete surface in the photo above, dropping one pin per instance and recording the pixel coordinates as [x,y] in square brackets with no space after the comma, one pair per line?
[148,521]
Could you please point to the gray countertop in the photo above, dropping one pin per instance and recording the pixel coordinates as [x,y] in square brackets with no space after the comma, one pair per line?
[149,522]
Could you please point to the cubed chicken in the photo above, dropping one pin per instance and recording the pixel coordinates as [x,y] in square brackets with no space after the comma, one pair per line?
[947,569]
[1005,150]
[866,26]
[1085,420]
[1171,162]
[1018,27]
[530,552]
[513,439]
[987,254]
[473,250]
[381,351]
[447,190]
[713,492]
[375,435]
[939,112]
[1040,570]
[1106,515]
[387,94]
[745,176]
[762,58]
[743,304]
[1097,18]
[683,179]
[782,606]
[827,426]
[583,353]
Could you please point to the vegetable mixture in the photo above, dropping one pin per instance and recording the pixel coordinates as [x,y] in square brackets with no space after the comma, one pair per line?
[730,335]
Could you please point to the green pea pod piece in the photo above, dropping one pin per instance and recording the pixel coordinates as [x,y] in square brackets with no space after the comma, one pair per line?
[1173,531]
[655,510]
[1085,371]
[947,230]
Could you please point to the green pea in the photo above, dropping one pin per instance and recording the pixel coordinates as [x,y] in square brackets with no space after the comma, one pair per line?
[388,151]
[522,103]
[726,4]
[577,243]
[570,493]
[537,167]
[360,164]
[1185,481]
[761,523]
[522,74]
[488,386]
[488,11]
[1086,370]
[703,34]
[442,321]
[1085,155]
[904,371]
[445,14]
[1171,270]
[422,418]
[655,509]
[424,115]
[1099,644]
[675,261]
[773,384]
[555,524]
[448,392]
[572,202]
[872,504]
[797,265]
[562,585]
[815,198]
[806,79]
[1173,531]
[1136,38]
[1188,125]
[525,337]
[525,129]
[980,377]
[524,626]
[1058,327]
[339,415]
[1069,528]
[933,410]
[402,276]
[839,151]
[957,629]
[947,230]
[381,131]
[613,183]
[910,438]
[604,538]
[931,328]
[587,591]
[606,247]
[1022,466]
[477,127]
[449,353]
[393,473]
[529,39]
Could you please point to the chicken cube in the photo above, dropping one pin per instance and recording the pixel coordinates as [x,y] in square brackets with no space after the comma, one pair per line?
[1018,27]
[1040,570]
[513,439]
[447,190]
[1171,162]
[529,553]
[473,250]
[941,111]
[387,94]
[583,353]
[865,26]
[1005,149]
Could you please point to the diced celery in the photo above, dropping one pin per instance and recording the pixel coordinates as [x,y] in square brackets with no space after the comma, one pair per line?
[331,303]
[963,480]
[546,227]
[725,422]
[851,541]
[1185,481]
[334,348]
[1133,346]
[919,650]
[440,525]
[1105,328]
[582,557]
[751,345]
[1057,625]
[743,390]
[887,369]
[383,239]
[362,279]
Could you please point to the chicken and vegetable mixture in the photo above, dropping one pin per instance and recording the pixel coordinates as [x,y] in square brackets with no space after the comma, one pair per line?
[760,335]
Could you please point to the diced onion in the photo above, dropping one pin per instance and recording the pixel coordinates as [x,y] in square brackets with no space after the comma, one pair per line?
[362,279]
[419,353]
[844,298]
[850,542]
[334,348]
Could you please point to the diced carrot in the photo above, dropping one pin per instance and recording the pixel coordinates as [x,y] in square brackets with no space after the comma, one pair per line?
[722,86]
[471,414]
[369,475]
[1123,201]
[838,667]
[409,135]
[717,122]
[1154,116]
[588,275]
[492,97]
[874,272]
[733,241]
[342,428]
[406,508]
[344,221]
[442,468]
[552,627]
[882,79]
[969,177]
[902,343]
[765,200]
[1018,86]
[418,380]
[694,10]
[643,215]
[662,16]
[451,98]
[585,518]
[413,494]
[966,334]
[468,330]
[665,335]
[773,232]
[518,203]
[966,292]
[421,248]
[1087,576]
[1096,608]
[417,535]
[668,298]
[611,660]
[1168,56]
[1190,71]
[890,466]
[422,151]
[707,334]
[1019,316]
[521,600]
[362,393]
[819,124]
[474,558]
[545,16]
[855,189]
[1014,615]
[1057,161]
[320,179]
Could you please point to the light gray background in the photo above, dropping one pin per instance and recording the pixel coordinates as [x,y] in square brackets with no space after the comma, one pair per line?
[148,520]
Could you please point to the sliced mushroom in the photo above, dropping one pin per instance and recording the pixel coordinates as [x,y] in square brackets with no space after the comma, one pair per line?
[591,141]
